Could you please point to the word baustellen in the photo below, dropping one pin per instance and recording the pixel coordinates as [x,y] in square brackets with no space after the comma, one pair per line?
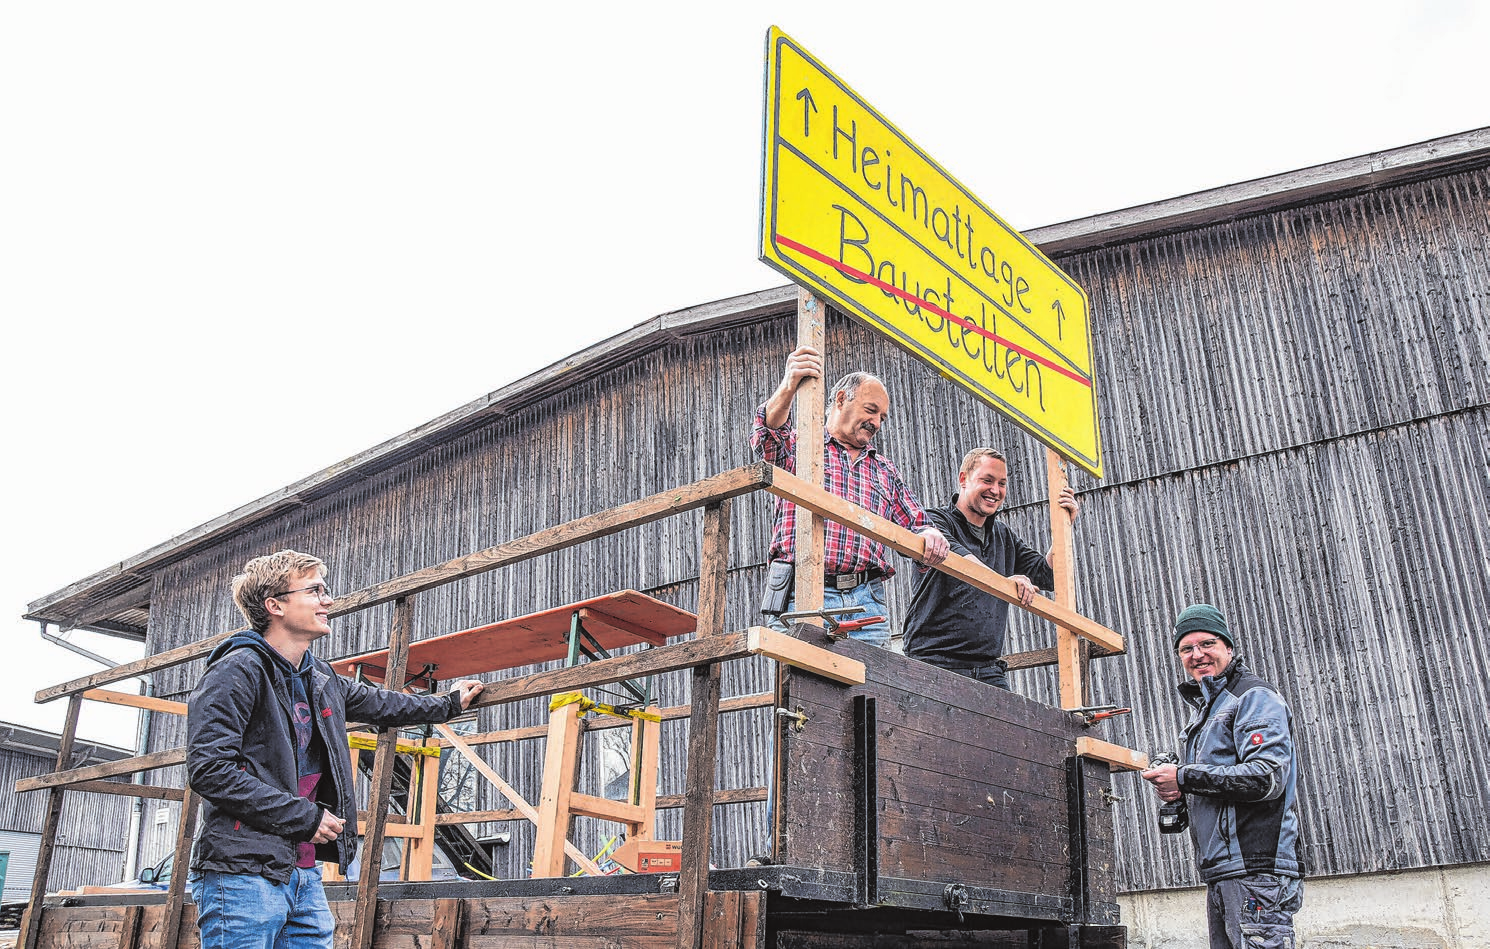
[976,337]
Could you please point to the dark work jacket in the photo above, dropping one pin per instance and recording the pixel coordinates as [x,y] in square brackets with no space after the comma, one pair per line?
[240,756]
[1240,776]
[953,624]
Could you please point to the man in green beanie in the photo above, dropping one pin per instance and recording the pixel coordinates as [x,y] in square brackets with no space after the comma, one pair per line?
[1239,782]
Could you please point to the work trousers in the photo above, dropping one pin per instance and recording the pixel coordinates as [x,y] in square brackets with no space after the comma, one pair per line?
[1253,912]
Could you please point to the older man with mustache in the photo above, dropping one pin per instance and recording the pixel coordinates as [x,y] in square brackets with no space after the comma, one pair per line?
[855,566]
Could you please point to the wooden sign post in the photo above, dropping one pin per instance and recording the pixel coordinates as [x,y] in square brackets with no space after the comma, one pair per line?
[1071,651]
[810,406]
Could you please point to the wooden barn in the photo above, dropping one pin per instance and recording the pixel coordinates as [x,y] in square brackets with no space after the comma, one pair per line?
[1295,403]
[90,847]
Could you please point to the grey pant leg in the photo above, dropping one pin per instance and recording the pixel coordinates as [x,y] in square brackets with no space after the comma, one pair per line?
[1253,912]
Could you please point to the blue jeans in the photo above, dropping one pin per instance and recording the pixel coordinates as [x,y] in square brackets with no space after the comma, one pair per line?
[1253,912]
[870,595]
[245,911]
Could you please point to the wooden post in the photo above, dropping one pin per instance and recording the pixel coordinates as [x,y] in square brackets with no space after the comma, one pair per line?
[646,744]
[560,766]
[31,922]
[1072,652]
[381,783]
[186,831]
[419,852]
[703,730]
[809,417]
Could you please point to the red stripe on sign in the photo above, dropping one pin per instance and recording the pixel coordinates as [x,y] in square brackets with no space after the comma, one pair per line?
[896,291]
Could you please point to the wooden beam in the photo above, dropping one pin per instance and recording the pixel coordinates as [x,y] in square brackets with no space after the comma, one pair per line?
[703,732]
[1071,651]
[135,701]
[447,928]
[109,769]
[381,781]
[701,651]
[708,491]
[186,831]
[1118,757]
[739,703]
[808,411]
[165,660]
[31,920]
[805,656]
[789,486]
[1037,658]
[125,789]
[603,808]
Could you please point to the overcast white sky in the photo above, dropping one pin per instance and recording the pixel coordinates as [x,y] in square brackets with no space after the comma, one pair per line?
[240,243]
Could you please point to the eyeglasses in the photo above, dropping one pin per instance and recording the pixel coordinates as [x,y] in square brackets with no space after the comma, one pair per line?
[317,590]
[1204,644]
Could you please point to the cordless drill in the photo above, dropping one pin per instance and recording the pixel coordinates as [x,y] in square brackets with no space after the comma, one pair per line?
[1174,816]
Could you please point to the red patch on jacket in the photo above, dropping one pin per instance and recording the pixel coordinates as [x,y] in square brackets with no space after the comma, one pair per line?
[325,713]
[1257,738]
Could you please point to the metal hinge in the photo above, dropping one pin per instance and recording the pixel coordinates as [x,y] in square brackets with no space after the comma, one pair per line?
[955,896]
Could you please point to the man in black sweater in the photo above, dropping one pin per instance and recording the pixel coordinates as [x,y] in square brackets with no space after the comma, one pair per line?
[957,626]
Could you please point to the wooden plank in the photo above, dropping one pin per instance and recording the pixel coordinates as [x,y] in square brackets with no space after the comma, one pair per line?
[739,703]
[135,701]
[445,931]
[31,919]
[603,808]
[1037,658]
[685,655]
[125,789]
[186,830]
[381,785]
[805,656]
[1116,756]
[620,619]
[707,491]
[810,403]
[109,769]
[129,928]
[164,660]
[703,732]
[648,921]
[789,486]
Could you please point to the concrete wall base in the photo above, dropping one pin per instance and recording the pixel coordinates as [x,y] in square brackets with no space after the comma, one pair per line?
[1438,908]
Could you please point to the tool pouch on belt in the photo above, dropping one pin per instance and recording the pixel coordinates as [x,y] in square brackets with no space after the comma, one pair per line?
[778,588]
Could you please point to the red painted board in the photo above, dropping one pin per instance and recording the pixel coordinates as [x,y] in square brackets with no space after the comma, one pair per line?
[615,620]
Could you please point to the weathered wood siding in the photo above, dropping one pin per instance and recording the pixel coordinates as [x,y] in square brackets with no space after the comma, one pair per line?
[1294,417]
[90,832]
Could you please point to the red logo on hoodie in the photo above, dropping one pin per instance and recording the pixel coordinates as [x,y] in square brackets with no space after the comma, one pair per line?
[1257,738]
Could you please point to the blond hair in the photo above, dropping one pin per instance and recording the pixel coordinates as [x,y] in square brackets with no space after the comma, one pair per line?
[265,576]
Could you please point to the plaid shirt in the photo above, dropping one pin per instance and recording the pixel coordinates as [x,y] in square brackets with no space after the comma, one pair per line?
[870,481]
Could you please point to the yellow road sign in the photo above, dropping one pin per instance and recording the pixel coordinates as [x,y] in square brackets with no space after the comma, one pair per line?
[854,210]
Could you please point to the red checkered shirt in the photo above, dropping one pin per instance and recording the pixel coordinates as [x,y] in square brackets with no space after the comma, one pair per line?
[870,481]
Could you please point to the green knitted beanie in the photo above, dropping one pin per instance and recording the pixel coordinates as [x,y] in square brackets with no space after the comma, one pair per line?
[1201,618]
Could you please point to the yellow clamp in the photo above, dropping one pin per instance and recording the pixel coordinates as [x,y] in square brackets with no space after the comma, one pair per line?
[587,706]
[369,744]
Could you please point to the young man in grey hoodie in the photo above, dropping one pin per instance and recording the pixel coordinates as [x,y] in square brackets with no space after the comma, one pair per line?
[1239,783]
[267,753]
